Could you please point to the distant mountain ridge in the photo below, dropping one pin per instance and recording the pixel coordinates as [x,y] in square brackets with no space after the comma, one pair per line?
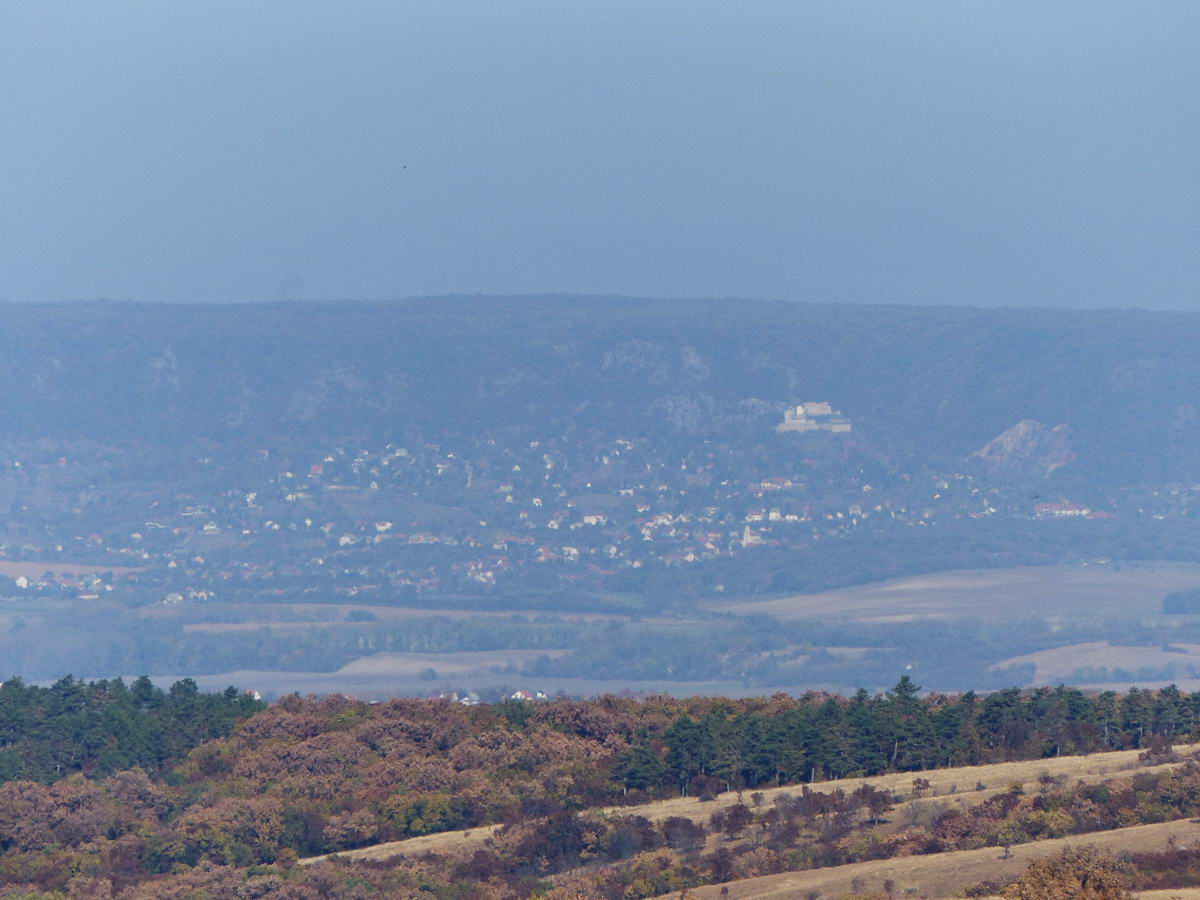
[927,381]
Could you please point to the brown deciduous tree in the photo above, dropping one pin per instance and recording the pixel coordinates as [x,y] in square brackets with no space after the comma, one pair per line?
[1078,873]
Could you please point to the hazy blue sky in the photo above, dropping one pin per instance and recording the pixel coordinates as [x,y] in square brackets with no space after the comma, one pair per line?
[1039,153]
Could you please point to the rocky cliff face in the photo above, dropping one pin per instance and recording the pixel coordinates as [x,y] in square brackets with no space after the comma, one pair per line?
[1028,448]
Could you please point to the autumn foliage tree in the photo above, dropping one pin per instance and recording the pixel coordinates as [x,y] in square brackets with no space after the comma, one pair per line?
[1077,873]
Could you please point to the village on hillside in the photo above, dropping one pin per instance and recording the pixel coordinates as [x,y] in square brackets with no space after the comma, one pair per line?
[476,514]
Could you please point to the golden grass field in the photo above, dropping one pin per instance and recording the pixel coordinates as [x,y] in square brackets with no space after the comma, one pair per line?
[1057,665]
[462,662]
[944,875]
[1055,592]
[957,786]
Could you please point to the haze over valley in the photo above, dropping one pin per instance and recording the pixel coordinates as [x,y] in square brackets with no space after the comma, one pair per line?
[569,494]
[599,450]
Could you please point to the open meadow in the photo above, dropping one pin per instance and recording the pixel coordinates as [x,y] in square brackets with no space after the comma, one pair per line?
[1053,593]
[1065,665]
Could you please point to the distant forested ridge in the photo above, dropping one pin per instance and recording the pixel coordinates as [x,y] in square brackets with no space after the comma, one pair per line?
[934,381]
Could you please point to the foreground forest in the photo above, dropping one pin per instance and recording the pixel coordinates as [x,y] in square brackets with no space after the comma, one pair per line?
[233,816]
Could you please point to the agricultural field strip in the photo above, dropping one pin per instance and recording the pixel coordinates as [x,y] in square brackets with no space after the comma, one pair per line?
[1059,664]
[34,569]
[944,875]
[335,616]
[962,780]
[1062,591]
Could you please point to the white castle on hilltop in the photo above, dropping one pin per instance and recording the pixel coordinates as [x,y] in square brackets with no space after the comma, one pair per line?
[814,416]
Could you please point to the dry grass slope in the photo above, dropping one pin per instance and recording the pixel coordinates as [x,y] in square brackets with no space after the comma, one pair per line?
[957,783]
[945,875]
[1056,592]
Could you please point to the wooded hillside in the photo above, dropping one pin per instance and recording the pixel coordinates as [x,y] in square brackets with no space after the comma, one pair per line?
[938,382]
[312,776]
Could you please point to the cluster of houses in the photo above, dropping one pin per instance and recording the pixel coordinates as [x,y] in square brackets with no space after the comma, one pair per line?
[426,517]
[1065,509]
[471,698]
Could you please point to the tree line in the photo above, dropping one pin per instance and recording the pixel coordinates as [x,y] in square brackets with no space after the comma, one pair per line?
[832,737]
[102,727]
